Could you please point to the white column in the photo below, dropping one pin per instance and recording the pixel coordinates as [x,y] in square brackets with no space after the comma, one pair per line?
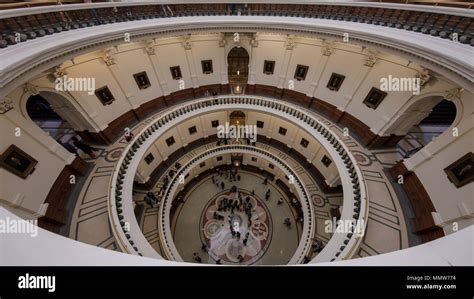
[223,70]
[318,72]
[364,71]
[252,62]
[190,61]
[150,51]
[289,45]
[119,78]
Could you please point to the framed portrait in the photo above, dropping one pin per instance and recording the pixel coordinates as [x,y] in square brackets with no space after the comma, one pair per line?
[142,80]
[17,161]
[326,161]
[374,98]
[268,67]
[192,130]
[282,131]
[149,158]
[206,66]
[214,123]
[176,72]
[301,71]
[104,95]
[219,158]
[461,172]
[335,82]
[304,143]
[170,141]
[260,124]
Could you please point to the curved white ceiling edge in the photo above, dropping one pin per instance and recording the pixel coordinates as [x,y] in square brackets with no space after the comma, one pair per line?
[22,62]
[50,249]
[418,7]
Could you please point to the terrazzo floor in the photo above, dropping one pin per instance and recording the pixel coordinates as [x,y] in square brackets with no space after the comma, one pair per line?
[280,241]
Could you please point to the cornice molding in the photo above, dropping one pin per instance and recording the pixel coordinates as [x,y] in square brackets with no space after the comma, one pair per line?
[16,71]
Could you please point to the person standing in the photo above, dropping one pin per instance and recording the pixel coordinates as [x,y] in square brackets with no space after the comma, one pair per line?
[70,148]
[128,135]
[267,195]
[222,185]
[86,148]
[197,258]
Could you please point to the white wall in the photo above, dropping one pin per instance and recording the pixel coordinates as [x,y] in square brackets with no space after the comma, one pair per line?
[26,196]
[454,206]
[346,59]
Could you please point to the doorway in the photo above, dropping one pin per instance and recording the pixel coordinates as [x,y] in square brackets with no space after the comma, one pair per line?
[431,118]
[237,118]
[238,69]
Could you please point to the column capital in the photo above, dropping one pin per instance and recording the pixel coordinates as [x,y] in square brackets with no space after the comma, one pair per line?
[454,93]
[187,42]
[254,41]
[424,76]
[290,43]
[371,58]
[58,72]
[150,47]
[327,48]
[31,88]
[222,41]
[5,105]
[108,57]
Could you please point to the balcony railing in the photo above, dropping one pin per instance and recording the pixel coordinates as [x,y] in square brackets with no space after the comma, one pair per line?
[355,203]
[172,188]
[21,25]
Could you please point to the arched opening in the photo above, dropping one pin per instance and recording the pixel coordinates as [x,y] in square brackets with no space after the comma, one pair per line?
[237,118]
[425,120]
[238,69]
[54,114]
[42,113]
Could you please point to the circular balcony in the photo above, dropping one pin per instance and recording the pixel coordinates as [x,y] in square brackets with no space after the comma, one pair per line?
[125,227]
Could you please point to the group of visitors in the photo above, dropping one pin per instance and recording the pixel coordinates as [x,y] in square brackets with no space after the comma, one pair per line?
[208,93]
[153,200]
[224,141]
[230,175]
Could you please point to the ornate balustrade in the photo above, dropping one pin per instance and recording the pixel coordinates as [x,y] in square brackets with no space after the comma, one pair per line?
[355,203]
[21,25]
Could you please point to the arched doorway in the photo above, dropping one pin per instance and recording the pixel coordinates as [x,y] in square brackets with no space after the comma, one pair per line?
[42,113]
[238,69]
[425,120]
[57,116]
[237,118]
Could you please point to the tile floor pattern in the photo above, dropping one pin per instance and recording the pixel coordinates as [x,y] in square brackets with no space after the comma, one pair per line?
[386,229]
[277,248]
[319,199]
